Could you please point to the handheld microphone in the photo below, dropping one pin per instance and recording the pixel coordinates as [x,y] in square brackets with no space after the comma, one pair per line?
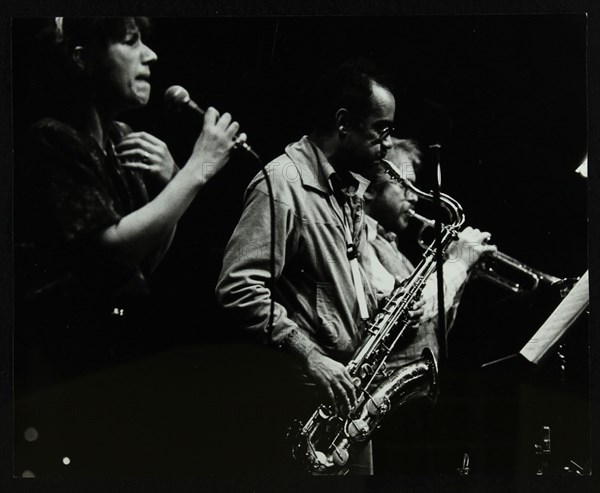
[177,98]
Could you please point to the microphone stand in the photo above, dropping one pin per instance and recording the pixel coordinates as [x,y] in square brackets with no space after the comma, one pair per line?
[439,256]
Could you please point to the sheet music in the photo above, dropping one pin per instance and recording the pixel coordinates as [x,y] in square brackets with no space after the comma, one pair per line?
[558,322]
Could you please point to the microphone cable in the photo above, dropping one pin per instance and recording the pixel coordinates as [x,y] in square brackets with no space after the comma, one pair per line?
[176,97]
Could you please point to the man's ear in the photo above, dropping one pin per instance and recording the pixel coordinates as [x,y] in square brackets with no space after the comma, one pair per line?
[368,194]
[78,57]
[342,120]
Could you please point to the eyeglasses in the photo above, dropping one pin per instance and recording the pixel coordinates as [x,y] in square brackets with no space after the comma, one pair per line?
[384,134]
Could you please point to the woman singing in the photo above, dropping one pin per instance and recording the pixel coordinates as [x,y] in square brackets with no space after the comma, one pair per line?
[96,208]
[101,201]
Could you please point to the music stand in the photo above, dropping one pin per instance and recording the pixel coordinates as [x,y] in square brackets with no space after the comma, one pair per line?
[549,334]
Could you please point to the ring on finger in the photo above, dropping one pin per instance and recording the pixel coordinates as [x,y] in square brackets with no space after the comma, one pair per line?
[146,157]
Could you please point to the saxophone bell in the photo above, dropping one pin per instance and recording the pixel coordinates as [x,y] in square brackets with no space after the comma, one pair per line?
[326,443]
[328,440]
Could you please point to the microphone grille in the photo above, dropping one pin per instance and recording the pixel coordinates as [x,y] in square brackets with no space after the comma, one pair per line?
[176,96]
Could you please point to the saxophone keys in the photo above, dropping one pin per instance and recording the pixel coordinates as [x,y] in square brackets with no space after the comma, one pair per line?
[366,370]
[322,462]
[371,329]
[378,406]
[358,429]
[325,412]
[340,456]
[383,371]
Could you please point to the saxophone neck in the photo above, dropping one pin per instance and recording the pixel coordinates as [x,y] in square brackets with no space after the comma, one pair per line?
[451,205]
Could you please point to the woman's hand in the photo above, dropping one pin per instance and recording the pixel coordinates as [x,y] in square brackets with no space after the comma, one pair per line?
[214,144]
[139,234]
[140,150]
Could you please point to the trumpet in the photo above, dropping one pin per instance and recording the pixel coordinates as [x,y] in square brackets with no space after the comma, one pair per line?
[499,268]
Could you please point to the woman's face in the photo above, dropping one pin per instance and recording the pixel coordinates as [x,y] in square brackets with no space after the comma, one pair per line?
[122,71]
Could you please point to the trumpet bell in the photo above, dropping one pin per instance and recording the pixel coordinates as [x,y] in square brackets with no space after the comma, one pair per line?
[513,275]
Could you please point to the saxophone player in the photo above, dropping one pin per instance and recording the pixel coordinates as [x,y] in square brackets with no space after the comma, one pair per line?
[387,206]
[321,295]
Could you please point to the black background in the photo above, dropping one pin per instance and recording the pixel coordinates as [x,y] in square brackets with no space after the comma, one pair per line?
[504,94]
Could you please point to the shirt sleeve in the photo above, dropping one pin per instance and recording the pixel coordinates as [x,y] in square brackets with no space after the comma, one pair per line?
[66,177]
[244,283]
[455,277]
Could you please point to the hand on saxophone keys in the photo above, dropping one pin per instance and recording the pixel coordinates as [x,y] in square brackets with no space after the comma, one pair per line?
[333,378]
[416,314]
[417,311]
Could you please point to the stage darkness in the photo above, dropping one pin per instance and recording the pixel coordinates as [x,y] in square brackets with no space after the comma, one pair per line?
[504,95]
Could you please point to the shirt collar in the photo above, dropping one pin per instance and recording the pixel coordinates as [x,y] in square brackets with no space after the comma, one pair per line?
[374,229]
[360,183]
[320,178]
[371,227]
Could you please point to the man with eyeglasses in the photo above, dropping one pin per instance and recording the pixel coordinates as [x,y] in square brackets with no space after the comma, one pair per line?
[387,206]
[321,295]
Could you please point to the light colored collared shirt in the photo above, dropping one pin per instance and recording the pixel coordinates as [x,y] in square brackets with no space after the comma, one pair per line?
[385,264]
[315,301]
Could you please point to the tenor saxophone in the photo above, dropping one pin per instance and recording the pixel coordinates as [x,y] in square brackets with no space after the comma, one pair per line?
[328,440]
